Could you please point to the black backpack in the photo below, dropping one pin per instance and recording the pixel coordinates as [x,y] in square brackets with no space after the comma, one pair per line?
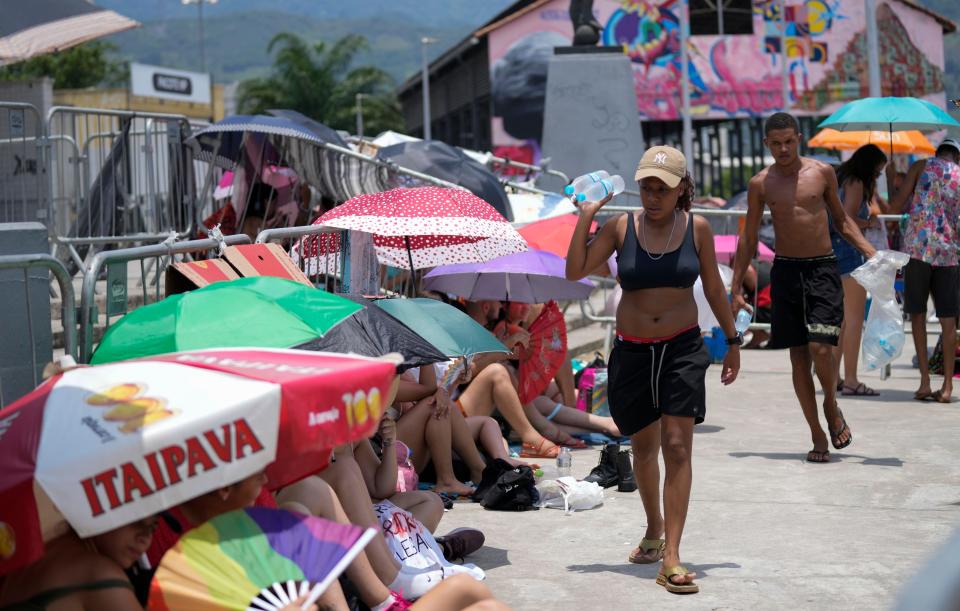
[507,488]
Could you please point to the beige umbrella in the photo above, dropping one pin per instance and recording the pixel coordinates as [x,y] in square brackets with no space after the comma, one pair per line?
[39,27]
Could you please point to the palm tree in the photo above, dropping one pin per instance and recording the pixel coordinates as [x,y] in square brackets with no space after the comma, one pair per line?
[318,81]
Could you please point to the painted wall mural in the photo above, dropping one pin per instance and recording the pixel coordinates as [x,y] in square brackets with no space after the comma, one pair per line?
[731,76]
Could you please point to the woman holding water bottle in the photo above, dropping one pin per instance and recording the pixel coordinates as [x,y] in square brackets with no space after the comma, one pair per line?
[658,363]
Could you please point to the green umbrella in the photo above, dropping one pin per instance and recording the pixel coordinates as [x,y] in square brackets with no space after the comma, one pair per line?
[262,312]
[444,326]
[890,114]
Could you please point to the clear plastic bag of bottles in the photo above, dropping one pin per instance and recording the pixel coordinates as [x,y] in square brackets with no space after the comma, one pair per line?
[883,337]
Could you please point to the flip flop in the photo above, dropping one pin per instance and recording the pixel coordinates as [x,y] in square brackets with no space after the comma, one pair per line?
[528,450]
[861,390]
[816,456]
[835,435]
[640,554]
[923,396]
[937,396]
[664,579]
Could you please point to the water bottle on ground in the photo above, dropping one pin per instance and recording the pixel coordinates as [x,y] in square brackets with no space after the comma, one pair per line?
[564,462]
[742,323]
[597,191]
[580,183]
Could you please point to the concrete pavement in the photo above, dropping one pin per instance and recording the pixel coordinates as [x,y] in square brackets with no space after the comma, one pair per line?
[765,530]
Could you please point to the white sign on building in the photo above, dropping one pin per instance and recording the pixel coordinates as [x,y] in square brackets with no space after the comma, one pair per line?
[169,84]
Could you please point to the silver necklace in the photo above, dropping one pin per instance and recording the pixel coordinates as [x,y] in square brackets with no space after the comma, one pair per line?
[643,232]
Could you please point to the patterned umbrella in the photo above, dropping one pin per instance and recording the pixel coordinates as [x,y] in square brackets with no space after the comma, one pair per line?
[418,228]
[255,558]
[112,444]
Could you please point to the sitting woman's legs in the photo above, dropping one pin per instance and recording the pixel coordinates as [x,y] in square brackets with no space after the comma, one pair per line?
[425,505]
[314,496]
[485,432]
[430,437]
[455,594]
[465,444]
[492,388]
[574,418]
[346,480]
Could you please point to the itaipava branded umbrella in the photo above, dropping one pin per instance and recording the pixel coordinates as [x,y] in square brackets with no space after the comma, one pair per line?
[418,228]
[262,311]
[904,142]
[255,558]
[534,276]
[112,444]
[444,326]
[372,332]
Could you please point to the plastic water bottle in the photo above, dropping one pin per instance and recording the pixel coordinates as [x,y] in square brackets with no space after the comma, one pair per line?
[598,190]
[580,183]
[742,323]
[564,462]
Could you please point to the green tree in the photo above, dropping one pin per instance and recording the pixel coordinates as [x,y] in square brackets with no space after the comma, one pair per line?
[86,65]
[319,81]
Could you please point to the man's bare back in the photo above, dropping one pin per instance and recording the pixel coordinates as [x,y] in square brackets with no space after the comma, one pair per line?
[798,206]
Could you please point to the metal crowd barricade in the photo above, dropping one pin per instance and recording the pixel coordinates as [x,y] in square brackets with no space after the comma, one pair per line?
[330,266]
[116,177]
[67,302]
[21,164]
[114,262]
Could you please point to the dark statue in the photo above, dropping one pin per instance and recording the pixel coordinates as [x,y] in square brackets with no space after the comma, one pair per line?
[586,29]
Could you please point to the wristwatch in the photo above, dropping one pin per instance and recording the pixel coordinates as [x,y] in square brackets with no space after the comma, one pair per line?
[736,340]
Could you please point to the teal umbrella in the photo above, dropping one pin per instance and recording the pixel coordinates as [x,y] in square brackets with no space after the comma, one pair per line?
[890,114]
[444,326]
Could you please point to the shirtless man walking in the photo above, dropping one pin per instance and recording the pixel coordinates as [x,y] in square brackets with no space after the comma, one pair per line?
[805,289]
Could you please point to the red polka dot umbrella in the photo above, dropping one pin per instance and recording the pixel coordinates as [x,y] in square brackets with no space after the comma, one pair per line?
[418,228]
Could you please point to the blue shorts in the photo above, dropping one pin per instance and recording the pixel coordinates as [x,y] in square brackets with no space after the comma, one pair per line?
[848,257]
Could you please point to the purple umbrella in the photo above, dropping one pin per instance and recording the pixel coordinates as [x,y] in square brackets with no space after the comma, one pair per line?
[534,276]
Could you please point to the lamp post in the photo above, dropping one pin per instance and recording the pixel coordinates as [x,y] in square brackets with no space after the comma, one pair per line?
[425,82]
[873,51]
[360,115]
[687,135]
[200,3]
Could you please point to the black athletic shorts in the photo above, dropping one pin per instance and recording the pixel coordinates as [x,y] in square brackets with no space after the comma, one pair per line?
[652,377]
[921,280]
[807,301]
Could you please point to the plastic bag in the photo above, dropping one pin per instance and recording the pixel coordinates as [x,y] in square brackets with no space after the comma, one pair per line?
[569,494]
[883,337]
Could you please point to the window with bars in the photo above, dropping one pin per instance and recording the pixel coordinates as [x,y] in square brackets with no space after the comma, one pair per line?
[721,17]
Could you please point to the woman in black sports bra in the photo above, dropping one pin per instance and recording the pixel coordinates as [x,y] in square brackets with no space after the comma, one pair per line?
[77,573]
[658,363]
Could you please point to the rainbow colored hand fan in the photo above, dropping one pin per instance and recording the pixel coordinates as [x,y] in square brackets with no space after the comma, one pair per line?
[256,558]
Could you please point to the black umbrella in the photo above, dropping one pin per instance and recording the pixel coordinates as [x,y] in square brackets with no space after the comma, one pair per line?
[317,128]
[38,27]
[374,332]
[449,163]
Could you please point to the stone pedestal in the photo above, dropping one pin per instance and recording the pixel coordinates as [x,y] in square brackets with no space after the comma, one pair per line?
[590,121]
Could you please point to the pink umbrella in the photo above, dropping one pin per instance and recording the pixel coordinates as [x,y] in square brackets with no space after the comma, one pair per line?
[422,227]
[726,247]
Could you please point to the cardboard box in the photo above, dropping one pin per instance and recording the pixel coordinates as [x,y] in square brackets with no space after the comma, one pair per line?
[186,276]
[264,260]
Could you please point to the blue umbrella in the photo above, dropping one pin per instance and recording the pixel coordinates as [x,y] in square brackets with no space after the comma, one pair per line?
[891,114]
[222,142]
